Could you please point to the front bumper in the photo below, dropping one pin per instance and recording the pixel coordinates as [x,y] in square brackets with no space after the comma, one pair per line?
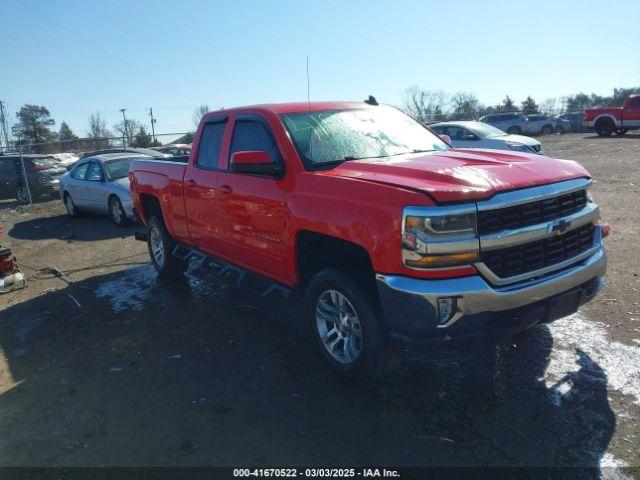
[484,312]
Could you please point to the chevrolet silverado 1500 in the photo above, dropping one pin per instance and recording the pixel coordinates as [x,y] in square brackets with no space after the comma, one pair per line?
[393,236]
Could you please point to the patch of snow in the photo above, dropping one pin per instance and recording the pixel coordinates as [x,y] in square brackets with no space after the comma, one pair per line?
[609,460]
[130,290]
[620,362]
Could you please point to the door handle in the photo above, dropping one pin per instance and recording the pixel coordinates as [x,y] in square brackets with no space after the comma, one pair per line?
[226,189]
[191,183]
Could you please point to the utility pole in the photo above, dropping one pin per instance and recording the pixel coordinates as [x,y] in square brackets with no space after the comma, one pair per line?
[153,120]
[4,129]
[124,128]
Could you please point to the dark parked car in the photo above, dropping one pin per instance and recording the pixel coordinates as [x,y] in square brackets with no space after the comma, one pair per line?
[510,122]
[574,119]
[42,172]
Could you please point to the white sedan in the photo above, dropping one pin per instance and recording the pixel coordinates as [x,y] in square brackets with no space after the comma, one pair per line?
[480,135]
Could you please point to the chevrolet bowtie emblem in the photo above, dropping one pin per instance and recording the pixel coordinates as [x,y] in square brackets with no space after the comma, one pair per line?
[560,226]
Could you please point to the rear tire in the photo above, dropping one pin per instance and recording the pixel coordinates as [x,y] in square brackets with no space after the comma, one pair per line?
[605,127]
[547,130]
[345,326]
[160,245]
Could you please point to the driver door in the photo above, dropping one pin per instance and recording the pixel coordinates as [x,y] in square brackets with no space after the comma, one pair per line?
[252,207]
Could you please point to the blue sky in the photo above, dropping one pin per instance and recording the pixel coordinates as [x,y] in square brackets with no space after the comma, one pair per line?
[78,57]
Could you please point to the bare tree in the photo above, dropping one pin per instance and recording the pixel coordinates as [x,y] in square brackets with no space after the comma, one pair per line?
[549,105]
[425,106]
[465,106]
[127,130]
[97,126]
[199,112]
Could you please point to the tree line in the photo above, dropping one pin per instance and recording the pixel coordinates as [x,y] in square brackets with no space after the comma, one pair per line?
[437,105]
[34,125]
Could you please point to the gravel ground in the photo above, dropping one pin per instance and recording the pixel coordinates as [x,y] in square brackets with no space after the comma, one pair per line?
[109,367]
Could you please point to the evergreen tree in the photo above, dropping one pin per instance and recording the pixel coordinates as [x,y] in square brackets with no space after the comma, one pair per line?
[529,106]
[66,133]
[33,125]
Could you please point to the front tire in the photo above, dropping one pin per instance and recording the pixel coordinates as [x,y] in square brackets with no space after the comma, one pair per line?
[117,213]
[23,194]
[547,130]
[72,210]
[345,326]
[160,245]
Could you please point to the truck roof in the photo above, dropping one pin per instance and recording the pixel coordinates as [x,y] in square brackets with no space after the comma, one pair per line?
[298,107]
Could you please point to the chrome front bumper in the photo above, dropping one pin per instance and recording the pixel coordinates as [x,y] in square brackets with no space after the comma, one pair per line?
[410,305]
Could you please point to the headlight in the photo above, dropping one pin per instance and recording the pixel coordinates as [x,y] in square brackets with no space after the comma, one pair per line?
[519,147]
[437,237]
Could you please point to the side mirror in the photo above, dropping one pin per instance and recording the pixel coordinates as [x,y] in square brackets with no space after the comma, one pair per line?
[257,163]
[446,138]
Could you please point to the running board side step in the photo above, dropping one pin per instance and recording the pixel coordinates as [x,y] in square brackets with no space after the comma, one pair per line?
[254,282]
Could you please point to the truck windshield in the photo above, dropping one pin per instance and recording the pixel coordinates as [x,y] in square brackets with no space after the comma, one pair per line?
[328,138]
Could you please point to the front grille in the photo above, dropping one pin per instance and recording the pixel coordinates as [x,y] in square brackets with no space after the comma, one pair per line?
[507,262]
[491,221]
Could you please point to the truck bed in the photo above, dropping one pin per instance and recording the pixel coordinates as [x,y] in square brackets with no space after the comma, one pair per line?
[162,178]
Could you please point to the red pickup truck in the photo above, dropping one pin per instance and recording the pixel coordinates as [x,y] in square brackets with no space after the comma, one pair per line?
[394,237]
[620,120]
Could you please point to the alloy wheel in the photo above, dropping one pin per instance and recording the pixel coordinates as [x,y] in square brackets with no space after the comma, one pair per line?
[116,212]
[157,246]
[339,327]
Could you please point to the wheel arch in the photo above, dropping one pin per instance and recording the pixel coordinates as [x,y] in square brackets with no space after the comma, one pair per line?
[316,251]
[150,205]
[604,116]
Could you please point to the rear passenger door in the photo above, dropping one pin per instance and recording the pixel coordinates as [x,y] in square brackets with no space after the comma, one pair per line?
[76,187]
[96,187]
[201,188]
[253,207]
[631,113]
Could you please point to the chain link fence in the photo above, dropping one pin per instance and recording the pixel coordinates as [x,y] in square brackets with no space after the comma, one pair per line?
[31,172]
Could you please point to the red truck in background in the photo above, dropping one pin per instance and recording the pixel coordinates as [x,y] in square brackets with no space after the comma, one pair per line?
[394,237]
[617,120]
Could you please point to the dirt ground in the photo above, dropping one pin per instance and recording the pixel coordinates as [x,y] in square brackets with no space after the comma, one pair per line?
[109,367]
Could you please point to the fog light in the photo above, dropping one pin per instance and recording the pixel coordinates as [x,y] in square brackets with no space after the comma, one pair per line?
[446,308]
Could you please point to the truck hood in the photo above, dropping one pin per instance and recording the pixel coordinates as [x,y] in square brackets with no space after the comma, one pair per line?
[462,174]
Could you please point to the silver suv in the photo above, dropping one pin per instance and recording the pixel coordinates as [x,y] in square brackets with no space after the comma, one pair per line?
[512,123]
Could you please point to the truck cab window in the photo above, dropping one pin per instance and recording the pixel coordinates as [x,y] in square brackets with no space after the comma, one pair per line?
[249,135]
[210,142]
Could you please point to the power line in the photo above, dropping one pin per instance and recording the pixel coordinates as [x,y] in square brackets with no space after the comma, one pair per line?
[124,128]
[153,120]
